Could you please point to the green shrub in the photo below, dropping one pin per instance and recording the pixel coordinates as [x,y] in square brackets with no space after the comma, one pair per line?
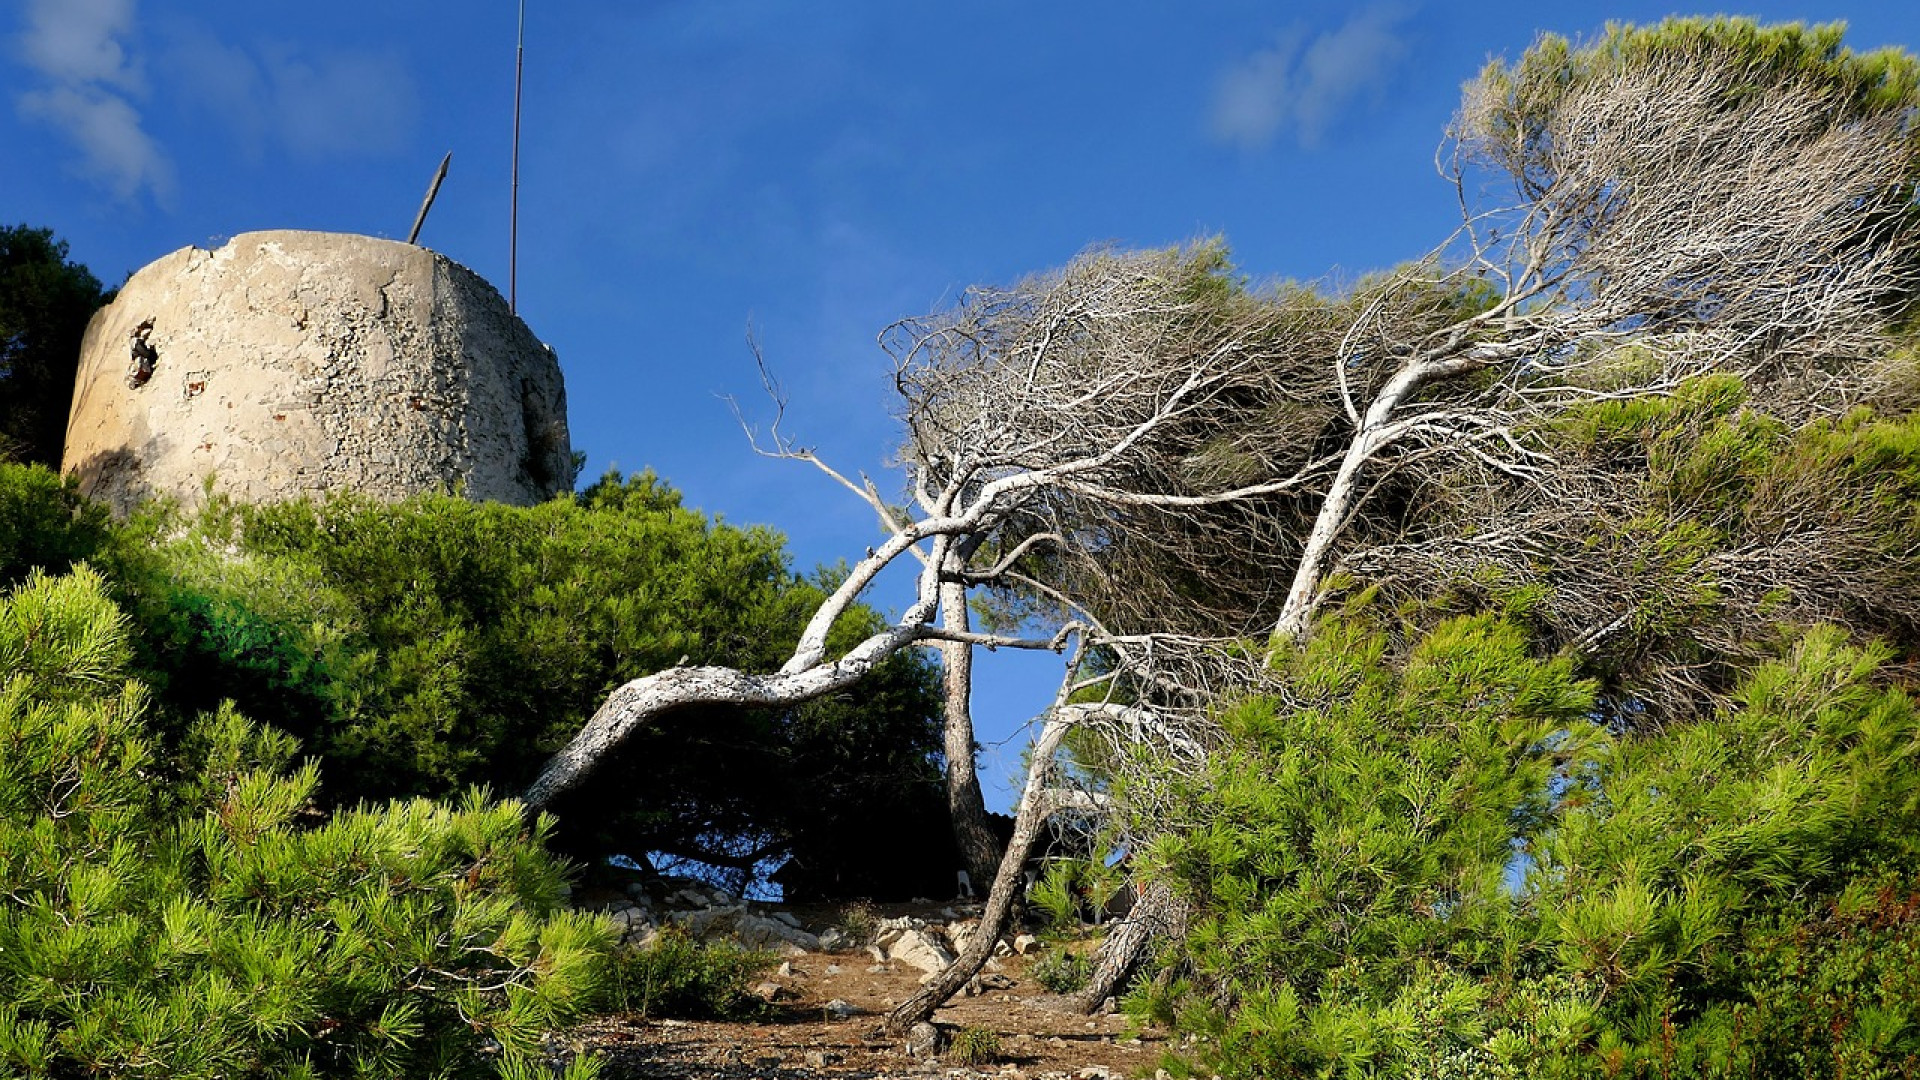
[975,1046]
[44,523]
[210,926]
[1431,862]
[1056,895]
[425,647]
[677,976]
[439,643]
[1063,971]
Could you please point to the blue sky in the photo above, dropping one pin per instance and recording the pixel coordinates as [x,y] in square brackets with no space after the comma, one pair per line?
[814,171]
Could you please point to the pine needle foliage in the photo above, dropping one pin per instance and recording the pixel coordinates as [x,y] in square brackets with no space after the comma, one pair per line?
[184,915]
[426,647]
[1432,861]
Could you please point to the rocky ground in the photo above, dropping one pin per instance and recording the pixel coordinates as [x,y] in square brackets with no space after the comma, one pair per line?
[837,973]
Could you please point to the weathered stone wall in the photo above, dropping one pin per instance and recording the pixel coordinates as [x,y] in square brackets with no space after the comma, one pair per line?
[290,363]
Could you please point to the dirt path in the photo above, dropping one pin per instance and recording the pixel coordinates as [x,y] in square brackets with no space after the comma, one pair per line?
[805,1040]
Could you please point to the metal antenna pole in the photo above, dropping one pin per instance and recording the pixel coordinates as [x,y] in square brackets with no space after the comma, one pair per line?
[513,202]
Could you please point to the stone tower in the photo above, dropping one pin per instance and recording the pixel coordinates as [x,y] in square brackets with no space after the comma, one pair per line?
[291,363]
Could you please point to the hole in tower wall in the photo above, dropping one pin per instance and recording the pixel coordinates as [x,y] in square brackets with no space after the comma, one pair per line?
[143,357]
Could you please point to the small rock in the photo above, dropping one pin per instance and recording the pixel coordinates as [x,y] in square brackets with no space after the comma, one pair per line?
[833,969]
[923,1041]
[1026,943]
[767,1061]
[820,1059]
[922,950]
[786,970]
[840,1009]
[1096,1072]
[787,917]
[878,969]
[832,940]
[877,953]
[771,992]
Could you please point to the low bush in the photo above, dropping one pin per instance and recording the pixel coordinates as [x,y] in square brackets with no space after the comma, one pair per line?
[187,913]
[975,1046]
[1063,971]
[677,976]
[425,647]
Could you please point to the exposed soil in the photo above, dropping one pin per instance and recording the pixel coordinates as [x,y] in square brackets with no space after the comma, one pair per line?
[1039,1036]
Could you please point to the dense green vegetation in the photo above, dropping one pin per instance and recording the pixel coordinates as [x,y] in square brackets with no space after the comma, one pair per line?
[45,302]
[181,913]
[1430,861]
[1606,765]
[424,648]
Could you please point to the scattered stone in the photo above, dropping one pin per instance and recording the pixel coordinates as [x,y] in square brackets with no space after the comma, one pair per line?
[820,1059]
[877,969]
[833,969]
[919,949]
[786,970]
[832,940]
[753,931]
[879,954]
[840,1009]
[923,1041]
[1026,943]
[788,918]
[771,992]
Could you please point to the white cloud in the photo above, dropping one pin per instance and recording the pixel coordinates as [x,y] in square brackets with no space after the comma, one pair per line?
[105,127]
[89,82]
[314,104]
[1304,85]
[78,41]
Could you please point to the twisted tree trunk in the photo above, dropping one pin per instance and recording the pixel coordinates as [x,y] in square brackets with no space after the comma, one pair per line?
[1006,884]
[1156,915]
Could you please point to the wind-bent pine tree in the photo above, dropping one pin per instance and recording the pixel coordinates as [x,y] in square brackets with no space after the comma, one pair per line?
[1141,450]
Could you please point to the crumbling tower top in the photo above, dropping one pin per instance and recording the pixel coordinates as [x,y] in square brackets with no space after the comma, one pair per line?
[289,363]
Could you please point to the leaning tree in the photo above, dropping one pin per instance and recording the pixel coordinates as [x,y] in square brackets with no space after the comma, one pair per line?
[1147,457]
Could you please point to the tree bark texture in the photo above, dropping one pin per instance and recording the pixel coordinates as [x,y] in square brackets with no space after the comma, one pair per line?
[967,807]
[1006,885]
[1156,915]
